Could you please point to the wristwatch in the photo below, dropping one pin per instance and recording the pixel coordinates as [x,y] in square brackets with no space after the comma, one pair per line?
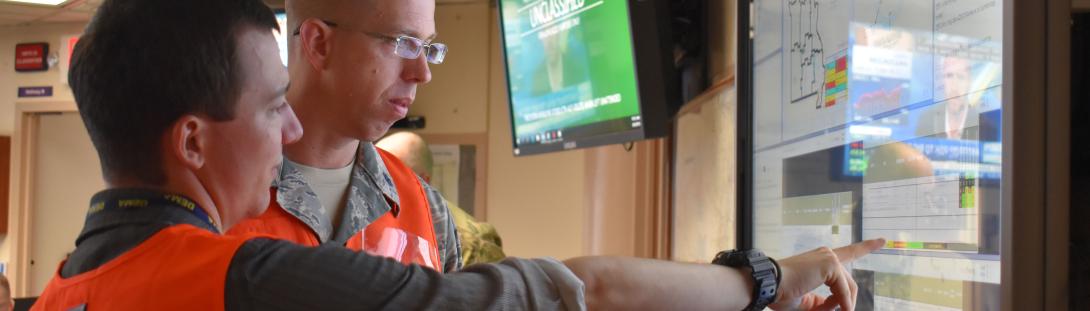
[765,273]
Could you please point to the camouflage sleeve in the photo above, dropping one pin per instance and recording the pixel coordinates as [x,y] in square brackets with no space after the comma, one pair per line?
[450,248]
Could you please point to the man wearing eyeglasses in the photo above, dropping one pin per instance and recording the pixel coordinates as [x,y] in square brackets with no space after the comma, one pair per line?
[355,66]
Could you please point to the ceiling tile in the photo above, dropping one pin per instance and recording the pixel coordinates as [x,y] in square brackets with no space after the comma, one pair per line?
[11,14]
[68,17]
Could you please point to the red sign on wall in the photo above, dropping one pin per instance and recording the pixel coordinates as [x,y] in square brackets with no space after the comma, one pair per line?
[31,56]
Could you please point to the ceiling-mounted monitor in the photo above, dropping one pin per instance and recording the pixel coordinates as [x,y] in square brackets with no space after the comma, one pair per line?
[585,73]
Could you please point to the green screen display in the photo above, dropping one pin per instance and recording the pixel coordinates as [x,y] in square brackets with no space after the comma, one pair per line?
[570,69]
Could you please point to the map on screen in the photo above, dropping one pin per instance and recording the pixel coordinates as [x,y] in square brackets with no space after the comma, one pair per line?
[881,118]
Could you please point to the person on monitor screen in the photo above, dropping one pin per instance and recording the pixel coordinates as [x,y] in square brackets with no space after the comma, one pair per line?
[355,66]
[480,241]
[188,129]
[953,117]
[565,67]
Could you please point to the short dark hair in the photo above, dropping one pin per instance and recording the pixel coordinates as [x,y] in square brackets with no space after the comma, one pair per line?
[143,64]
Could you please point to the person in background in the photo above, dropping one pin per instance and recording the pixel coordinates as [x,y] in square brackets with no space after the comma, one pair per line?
[480,241]
[6,302]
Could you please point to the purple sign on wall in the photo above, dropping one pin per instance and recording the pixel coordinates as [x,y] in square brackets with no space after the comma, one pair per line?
[36,91]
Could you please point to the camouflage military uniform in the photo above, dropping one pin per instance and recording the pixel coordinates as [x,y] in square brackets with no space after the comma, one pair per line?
[370,192]
[480,241]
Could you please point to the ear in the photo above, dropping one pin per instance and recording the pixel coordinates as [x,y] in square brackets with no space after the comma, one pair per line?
[315,43]
[188,141]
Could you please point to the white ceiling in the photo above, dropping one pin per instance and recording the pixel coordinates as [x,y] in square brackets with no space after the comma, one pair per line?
[17,14]
[12,14]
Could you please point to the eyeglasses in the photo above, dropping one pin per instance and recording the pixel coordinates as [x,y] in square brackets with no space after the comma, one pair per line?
[404,46]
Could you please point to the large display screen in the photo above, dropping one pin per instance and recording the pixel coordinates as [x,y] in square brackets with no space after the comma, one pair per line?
[571,72]
[282,35]
[881,118]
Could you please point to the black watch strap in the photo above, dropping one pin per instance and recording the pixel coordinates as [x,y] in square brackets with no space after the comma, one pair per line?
[765,274]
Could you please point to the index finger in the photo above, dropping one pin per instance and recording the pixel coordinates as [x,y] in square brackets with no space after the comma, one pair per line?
[851,252]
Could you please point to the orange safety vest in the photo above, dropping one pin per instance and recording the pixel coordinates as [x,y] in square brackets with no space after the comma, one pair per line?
[181,267]
[412,216]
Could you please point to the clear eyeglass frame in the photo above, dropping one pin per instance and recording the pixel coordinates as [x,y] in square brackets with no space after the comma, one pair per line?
[406,47]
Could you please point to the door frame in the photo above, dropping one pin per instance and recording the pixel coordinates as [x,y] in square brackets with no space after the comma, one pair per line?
[24,142]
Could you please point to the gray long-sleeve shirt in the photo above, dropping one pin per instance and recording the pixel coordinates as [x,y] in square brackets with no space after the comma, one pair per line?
[268,274]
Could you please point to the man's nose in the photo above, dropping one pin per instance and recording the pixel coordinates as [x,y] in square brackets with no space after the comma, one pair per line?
[417,70]
[291,130]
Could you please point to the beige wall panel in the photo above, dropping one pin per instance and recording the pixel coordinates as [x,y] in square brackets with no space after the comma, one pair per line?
[611,201]
[704,180]
[456,100]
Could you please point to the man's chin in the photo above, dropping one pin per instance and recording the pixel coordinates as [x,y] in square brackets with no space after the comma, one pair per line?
[258,210]
[254,210]
[376,133]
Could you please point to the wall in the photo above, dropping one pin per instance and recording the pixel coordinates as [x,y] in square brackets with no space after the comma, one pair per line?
[704,201]
[11,80]
[627,199]
[456,101]
[611,179]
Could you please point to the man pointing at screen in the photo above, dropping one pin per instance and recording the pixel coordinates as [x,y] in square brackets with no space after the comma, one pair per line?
[355,66]
[209,146]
